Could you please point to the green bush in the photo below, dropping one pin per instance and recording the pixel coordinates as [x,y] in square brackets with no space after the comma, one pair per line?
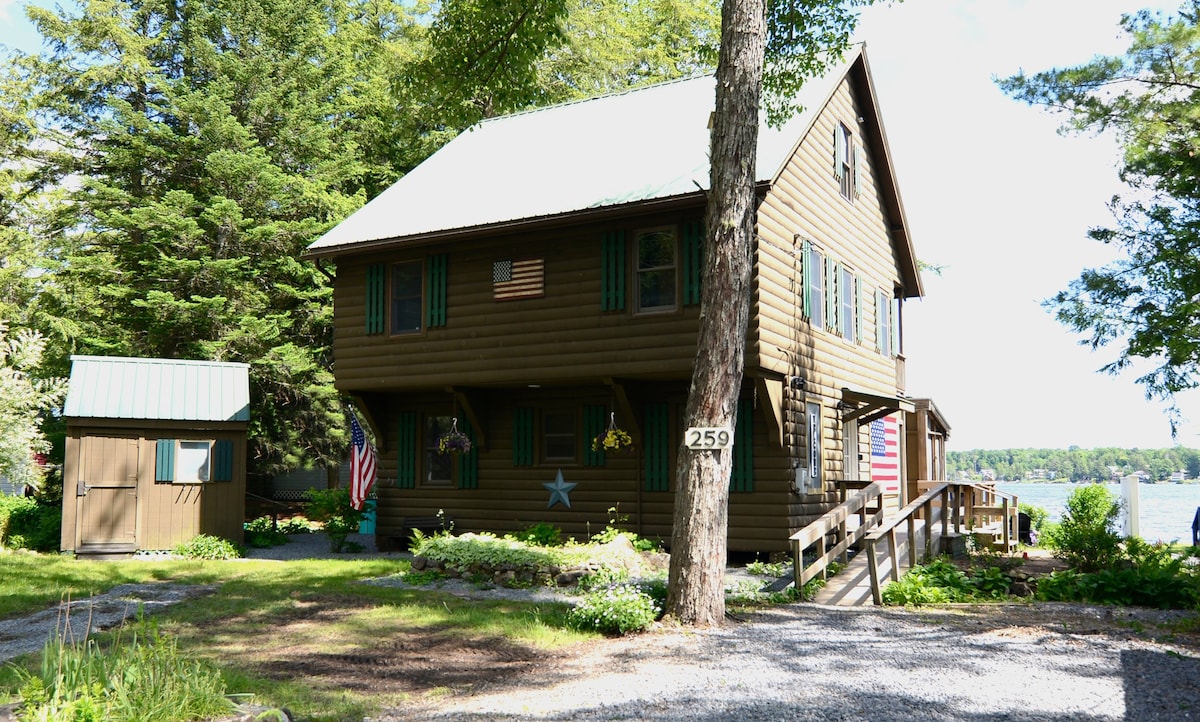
[1150,576]
[941,582]
[204,546]
[618,610]
[1086,537]
[469,551]
[542,534]
[332,508]
[26,523]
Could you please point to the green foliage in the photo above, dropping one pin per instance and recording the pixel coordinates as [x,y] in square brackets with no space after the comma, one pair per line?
[1037,516]
[615,610]
[541,534]
[338,517]
[469,551]
[26,523]
[1073,464]
[769,569]
[1149,576]
[941,582]
[143,678]
[1085,537]
[25,400]
[205,546]
[1145,301]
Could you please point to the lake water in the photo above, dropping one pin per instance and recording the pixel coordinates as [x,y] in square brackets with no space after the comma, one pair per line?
[1166,510]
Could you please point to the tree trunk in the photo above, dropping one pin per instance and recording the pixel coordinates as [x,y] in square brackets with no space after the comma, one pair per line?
[698,540]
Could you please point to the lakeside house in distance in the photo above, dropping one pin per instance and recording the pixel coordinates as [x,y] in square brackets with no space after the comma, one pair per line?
[537,281]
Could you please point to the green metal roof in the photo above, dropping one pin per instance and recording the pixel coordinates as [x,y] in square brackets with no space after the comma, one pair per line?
[111,387]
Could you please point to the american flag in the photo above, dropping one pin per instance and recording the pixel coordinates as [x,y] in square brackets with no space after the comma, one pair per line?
[885,453]
[362,465]
[518,279]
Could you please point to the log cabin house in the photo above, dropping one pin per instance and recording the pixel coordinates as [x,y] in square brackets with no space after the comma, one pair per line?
[538,279]
[155,454]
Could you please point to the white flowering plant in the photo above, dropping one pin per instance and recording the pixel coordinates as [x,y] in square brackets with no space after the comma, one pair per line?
[616,610]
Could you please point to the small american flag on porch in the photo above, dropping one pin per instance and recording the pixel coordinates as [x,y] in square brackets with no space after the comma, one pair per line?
[518,279]
[885,453]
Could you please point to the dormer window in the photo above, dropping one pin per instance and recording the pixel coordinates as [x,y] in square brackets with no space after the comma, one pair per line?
[843,160]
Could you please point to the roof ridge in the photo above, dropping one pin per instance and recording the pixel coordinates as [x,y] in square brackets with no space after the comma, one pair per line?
[603,96]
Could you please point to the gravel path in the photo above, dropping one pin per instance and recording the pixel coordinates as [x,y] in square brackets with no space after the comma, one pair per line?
[807,662]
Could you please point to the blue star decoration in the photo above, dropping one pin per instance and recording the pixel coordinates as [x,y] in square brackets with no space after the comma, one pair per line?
[559,490]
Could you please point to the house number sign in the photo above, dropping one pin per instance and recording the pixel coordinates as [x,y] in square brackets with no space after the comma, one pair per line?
[708,437]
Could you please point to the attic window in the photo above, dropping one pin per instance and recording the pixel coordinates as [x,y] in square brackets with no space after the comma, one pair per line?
[843,160]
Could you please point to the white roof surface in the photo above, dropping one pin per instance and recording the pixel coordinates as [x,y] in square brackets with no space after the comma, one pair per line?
[114,387]
[645,144]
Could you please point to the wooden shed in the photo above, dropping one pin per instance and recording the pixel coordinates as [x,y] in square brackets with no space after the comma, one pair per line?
[155,453]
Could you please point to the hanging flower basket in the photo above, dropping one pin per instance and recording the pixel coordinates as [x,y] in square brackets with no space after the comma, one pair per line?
[454,442]
[612,440]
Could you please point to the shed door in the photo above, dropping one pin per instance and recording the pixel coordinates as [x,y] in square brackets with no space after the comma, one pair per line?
[106,490]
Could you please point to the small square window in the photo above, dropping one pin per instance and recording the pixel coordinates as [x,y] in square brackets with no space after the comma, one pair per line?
[192,462]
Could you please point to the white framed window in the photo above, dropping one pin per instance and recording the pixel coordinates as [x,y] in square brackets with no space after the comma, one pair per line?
[843,160]
[193,462]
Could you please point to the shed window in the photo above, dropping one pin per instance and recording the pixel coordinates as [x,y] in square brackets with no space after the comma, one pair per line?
[656,265]
[193,461]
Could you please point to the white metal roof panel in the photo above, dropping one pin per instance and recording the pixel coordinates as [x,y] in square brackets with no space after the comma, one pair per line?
[113,387]
[644,144]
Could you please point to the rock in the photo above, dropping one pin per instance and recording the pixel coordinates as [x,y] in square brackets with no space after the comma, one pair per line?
[419,563]
[1020,588]
[8,712]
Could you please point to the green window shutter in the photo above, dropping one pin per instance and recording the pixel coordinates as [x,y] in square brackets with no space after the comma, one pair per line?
[376,301]
[594,424]
[859,161]
[838,140]
[658,444]
[831,294]
[612,271]
[222,460]
[741,477]
[806,279]
[437,290]
[406,450]
[858,309]
[468,463]
[164,460]
[523,436]
[693,261]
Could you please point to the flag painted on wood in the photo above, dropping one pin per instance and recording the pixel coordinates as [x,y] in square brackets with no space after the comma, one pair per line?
[362,465]
[885,453]
[518,279]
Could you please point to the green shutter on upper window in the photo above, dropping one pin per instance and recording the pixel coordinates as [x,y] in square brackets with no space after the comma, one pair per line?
[859,168]
[693,261]
[522,436]
[839,140]
[164,460]
[436,283]
[741,476]
[805,278]
[406,450]
[222,460]
[376,300]
[858,309]
[594,423]
[612,271]
[657,447]
[832,299]
[468,463]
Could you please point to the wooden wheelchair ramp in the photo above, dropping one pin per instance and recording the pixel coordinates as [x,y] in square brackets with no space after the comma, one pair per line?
[880,544]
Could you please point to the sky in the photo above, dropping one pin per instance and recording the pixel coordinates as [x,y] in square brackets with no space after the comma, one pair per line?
[1002,202]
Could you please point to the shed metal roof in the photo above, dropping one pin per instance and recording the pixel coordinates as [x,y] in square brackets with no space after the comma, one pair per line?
[644,144]
[112,387]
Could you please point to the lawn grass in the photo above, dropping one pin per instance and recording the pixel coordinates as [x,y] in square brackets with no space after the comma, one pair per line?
[269,619]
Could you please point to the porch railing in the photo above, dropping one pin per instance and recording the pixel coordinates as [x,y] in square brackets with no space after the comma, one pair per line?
[865,503]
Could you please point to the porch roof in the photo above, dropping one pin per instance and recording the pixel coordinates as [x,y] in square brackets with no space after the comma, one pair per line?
[866,407]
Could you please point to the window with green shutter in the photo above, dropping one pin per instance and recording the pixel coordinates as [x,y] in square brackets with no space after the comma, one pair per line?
[376,300]
[657,469]
[612,271]
[741,477]
[406,450]
[164,460]
[831,294]
[222,460]
[858,309]
[883,323]
[693,261]
[814,284]
[436,283]
[523,431]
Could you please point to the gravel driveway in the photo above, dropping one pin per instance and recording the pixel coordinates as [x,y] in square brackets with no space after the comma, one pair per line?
[806,662]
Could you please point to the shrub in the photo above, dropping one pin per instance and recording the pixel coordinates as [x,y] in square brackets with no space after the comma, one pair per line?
[204,546]
[619,610]
[941,582]
[542,534]
[469,551]
[332,508]
[1086,537]
[26,523]
[1152,576]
